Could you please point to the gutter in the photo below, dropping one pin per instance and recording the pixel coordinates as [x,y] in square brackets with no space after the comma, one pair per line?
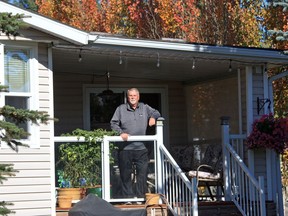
[232,52]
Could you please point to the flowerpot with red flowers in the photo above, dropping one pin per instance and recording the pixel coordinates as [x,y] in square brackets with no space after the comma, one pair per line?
[269,132]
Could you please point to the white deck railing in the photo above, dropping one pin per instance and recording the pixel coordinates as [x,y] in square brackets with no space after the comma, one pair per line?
[179,193]
[241,186]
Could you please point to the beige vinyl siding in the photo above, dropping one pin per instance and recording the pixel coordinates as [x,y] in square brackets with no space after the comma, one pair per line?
[257,92]
[30,190]
[177,115]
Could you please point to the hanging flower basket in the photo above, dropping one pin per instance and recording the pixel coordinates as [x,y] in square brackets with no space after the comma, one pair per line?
[269,132]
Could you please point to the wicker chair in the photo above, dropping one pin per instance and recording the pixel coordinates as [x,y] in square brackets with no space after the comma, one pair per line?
[210,173]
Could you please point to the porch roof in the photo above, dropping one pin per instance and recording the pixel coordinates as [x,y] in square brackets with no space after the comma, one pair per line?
[176,58]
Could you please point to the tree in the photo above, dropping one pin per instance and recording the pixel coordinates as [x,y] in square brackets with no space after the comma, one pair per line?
[277,25]
[10,24]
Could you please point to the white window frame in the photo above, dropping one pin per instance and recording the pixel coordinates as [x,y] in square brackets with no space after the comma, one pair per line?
[32,102]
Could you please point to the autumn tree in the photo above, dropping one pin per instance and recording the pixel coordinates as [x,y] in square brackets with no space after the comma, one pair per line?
[187,15]
[116,18]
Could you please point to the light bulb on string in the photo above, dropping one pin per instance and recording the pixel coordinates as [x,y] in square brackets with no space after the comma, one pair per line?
[193,64]
[230,66]
[120,58]
[265,68]
[80,56]
[158,61]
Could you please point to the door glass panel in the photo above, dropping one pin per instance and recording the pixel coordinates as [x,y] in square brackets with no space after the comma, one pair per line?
[102,109]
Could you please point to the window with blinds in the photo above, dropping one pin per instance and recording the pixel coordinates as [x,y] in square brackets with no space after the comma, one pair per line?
[18,74]
[16,66]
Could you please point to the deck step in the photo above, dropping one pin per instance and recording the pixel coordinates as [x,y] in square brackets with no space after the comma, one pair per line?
[228,208]
[152,210]
[218,209]
[205,208]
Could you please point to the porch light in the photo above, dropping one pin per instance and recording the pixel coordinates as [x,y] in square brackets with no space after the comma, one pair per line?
[106,94]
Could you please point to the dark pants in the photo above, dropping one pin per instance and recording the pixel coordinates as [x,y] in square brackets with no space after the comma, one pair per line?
[138,159]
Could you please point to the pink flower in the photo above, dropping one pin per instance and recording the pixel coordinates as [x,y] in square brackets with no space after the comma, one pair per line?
[269,132]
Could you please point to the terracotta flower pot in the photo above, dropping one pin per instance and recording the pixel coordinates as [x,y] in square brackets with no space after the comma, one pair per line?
[152,198]
[64,201]
[74,193]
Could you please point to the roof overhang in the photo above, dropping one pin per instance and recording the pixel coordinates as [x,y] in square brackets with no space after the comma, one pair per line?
[49,26]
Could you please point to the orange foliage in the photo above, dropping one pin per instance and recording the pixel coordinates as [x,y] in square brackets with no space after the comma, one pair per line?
[187,15]
[245,29]
[82,15]
[223,22]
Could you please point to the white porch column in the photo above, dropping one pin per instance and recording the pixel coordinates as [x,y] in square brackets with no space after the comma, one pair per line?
[226,168]
[159,160]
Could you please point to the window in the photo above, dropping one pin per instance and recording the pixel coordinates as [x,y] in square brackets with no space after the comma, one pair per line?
[19,65]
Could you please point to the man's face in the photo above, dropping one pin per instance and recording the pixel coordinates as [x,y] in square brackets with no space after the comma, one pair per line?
[133,97]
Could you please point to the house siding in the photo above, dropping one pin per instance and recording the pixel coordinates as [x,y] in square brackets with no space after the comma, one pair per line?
[30,190]
[260,168]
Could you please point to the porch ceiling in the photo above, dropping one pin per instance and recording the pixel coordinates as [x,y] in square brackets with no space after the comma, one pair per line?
[141,62]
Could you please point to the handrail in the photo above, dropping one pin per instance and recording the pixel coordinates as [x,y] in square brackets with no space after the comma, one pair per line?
[245,190]
[180,193]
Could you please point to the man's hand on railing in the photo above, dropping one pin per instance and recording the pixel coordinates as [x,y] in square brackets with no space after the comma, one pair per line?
[124,136]
[152,121]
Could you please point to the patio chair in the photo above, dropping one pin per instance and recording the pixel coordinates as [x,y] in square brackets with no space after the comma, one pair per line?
[209,172]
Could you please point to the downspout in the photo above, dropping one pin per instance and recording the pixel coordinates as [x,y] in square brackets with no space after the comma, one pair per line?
[269,158]
[52,146]
[249,112]
[278,190]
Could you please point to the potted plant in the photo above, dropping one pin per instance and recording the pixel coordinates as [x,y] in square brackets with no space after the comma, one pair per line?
[269,132]
[79,163]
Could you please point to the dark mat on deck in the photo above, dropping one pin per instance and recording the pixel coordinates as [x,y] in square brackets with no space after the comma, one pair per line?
[92,205]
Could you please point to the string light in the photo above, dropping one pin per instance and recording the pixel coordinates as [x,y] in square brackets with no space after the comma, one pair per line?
[158,61]
[230,66]
[80,56]
[120,58]
[193,64]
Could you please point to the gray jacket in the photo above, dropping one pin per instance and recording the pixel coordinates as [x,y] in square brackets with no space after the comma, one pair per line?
[133,122]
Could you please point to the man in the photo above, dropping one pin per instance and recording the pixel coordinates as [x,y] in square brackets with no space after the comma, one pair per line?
[132,119]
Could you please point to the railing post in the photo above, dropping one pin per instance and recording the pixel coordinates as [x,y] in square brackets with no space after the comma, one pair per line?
[194,197]
[226,166]
[159,160]
[262,195]
[105,169]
